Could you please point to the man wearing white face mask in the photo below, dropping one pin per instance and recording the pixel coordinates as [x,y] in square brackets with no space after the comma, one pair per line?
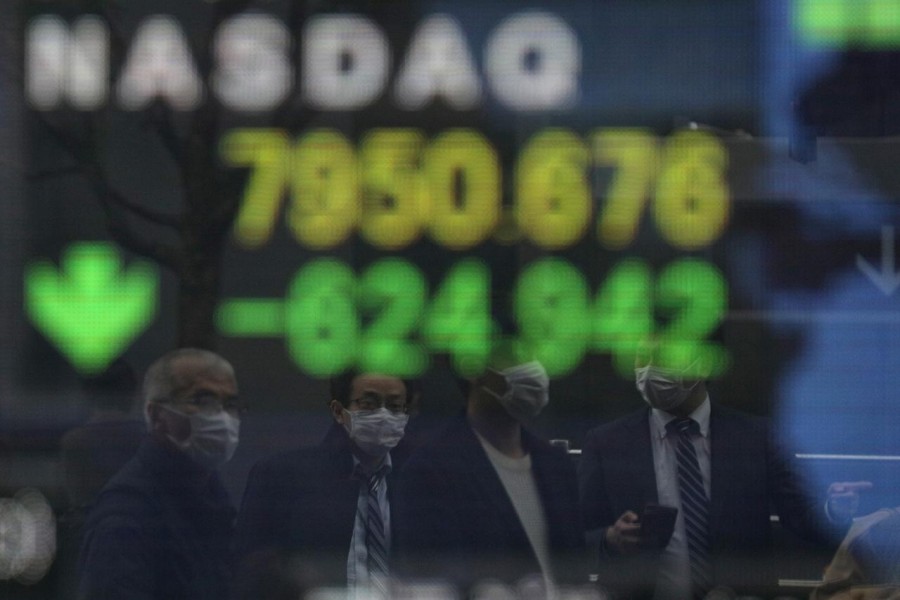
[485,499]
[330,508]
[162,526]
[718,468]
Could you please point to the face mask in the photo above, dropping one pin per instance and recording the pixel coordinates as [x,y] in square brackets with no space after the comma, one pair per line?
[375,432]
[664,389]
[528,390]
[213,439]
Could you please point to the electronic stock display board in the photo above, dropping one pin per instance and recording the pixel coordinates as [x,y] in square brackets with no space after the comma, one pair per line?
[406,183]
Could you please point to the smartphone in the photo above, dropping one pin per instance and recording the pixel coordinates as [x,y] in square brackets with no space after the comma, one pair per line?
[657,524]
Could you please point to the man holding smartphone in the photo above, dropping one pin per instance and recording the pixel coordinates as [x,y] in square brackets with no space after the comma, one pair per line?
[708,474]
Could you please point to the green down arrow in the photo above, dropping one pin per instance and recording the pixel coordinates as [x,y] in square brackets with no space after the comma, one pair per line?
[91,308]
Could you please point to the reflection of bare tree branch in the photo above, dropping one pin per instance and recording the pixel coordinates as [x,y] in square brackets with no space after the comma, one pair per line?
[120,231]
[10,46]
[231,7]
[159,119]
[210,200]
[89,167]
[202,142]
[113,202]
[11,79]
[117,41]
[145,213]
[51,173]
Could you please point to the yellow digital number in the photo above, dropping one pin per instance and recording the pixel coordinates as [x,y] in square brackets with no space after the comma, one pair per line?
[635,156]
[692,200]
[464,188]
[267,152]
[325,207]
[394,194]
[553,197]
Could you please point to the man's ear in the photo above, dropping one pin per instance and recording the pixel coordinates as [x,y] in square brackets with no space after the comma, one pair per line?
[154,423]
[337,411]
[494,382]
[414,403]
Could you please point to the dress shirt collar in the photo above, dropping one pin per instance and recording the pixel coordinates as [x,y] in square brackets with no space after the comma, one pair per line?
[359,470]
[660,418]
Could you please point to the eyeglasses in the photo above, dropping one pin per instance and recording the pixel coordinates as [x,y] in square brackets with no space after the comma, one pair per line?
[374,402]
[210,403]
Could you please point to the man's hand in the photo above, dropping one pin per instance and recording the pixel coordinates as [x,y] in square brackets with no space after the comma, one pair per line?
[843,499]
[624,536]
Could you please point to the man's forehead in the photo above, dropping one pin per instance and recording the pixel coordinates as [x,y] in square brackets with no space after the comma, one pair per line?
[646,353]
[685,359]
[192,370]
[383,385]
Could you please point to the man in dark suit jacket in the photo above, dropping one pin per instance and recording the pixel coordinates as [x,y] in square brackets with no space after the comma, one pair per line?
[631,462]
[161,529]
[301,520]
[485,499]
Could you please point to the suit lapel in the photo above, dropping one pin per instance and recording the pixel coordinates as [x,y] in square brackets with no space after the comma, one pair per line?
[488,484]
[340,490]
[634,471]
[544,480]
[554,494]
[724,454]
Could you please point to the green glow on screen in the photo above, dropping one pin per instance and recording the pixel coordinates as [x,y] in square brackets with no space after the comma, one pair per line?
[552,311]
[252,317]
[384,319]
[91,308]
[872,24]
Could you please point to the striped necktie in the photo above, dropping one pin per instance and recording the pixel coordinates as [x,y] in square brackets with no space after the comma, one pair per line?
[376,542]
[694,505]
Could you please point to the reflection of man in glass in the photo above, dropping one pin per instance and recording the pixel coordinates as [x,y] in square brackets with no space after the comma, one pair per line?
[95,451]
[91,454]
[162,526]
[486,499]
[718,468]
[328,509]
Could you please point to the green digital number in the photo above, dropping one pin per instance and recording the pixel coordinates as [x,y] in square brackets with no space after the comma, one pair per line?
[696,294]
[550,304]
[394,291]
[458,320]
[623,313]
[380,322]
[321,322]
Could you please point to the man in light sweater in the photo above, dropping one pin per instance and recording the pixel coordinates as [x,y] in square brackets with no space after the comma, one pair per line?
[487,499]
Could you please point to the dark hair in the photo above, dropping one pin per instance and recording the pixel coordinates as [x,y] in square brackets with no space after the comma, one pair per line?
[464,386]
[341,385]
[502,354]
